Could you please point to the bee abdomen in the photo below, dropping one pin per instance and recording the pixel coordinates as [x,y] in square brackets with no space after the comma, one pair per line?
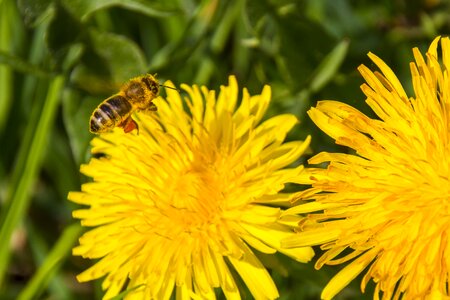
[109,114]
[119,104]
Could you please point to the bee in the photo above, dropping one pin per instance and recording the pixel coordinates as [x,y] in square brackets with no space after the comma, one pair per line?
[135,95]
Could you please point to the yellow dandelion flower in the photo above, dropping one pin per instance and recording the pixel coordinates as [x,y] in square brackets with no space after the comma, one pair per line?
[385,211]
[184,204]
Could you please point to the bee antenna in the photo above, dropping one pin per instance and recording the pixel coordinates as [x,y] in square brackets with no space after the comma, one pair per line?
[169,87]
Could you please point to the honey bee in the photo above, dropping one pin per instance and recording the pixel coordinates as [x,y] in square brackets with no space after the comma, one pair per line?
[135,95]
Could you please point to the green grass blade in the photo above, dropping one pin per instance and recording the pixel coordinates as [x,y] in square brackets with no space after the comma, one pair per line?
[226,25]
[21,195]
[36,88]
[5,71]
[38,243]
[126,292]
[21,65]
[329,66]
[51,264]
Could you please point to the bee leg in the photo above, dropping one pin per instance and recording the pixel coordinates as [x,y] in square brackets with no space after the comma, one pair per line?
[129,125]
[152,107]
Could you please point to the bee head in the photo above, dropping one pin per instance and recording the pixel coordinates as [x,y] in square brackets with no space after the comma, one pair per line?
[151,84]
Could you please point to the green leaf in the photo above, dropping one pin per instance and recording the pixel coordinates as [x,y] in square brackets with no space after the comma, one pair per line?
[83,9]
[63,31]
[259,12]
[329,66]
[21,65]
[295,43]
[256,11]
[73,56]
[303,44]
[76,114]
[32,10]
[109,61]
[224,28]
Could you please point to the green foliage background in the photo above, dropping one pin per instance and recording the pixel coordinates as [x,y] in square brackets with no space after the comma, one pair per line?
[59,59]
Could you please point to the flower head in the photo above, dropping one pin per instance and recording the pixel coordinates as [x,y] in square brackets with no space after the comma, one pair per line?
[385,211]
[184,204]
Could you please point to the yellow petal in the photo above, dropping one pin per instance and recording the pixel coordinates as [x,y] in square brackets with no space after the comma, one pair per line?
[255,276]
[346,275]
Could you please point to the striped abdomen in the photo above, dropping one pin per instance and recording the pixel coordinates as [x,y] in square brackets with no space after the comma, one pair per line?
[109,114]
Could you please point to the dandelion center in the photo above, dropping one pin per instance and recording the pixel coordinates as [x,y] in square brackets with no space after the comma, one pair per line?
[196,200]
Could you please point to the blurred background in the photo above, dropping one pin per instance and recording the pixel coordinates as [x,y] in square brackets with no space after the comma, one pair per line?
[59,59]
